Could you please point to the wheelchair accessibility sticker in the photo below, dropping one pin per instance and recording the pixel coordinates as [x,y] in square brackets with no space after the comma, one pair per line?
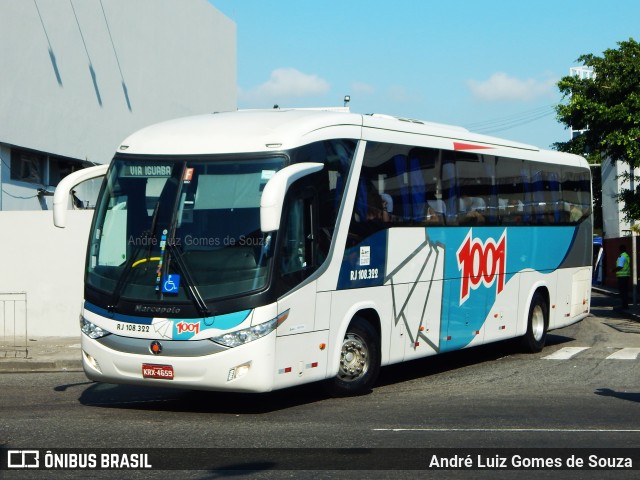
[171,283]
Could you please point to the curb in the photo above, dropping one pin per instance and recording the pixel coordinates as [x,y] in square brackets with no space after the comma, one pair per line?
[44,354]
[602,291]
[611,293]
[35,366]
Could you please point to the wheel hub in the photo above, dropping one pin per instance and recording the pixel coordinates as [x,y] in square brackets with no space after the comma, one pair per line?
[354,358]
[537,323]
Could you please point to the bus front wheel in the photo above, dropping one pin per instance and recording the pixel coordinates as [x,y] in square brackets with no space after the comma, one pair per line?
[537,324]
[359,360]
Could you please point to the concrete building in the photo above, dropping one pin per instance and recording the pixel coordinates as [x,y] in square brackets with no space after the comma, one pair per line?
[77,77]
[614,223]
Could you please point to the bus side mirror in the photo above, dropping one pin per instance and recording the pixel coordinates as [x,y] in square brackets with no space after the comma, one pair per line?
[275,190]
[63,191]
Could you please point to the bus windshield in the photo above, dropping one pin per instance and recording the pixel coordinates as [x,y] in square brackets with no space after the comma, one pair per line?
[181,230]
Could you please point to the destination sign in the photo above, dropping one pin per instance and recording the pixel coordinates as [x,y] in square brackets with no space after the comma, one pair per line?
[162,171]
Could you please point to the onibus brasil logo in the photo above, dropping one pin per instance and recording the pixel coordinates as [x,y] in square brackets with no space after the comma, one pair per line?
[481,263]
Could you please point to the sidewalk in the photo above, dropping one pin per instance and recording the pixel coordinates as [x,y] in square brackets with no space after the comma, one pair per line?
[43,354]
[633,313]
[60,354]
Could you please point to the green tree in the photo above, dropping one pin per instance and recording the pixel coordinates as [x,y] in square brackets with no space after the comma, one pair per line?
[607,107]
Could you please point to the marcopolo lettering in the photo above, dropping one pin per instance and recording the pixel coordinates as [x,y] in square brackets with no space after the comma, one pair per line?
[156,309]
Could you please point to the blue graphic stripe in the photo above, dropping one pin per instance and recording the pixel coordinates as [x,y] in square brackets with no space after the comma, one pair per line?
[222,322]
[117,316]
[219,322]
[226,321]
[526,248]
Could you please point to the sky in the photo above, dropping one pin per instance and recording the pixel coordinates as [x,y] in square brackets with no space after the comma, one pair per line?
[488,65]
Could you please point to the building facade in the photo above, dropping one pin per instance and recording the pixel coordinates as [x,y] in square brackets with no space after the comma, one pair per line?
[79,76]
[613,184]
[76,78]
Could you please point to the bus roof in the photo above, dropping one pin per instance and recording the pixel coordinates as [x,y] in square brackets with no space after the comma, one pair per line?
[231,132]
[280,129]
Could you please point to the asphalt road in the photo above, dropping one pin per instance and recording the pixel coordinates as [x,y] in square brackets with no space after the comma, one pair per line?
[581,392]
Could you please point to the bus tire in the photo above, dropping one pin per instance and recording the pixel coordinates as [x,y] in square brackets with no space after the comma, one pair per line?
[537,324]
[359,360]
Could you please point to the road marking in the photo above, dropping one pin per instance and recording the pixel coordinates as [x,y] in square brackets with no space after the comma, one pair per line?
[510,430]
[565,353]
[625,354]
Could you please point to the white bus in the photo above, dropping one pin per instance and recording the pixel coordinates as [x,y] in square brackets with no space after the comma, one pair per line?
[257,250]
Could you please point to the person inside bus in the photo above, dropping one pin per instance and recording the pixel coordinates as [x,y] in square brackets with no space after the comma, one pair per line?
[387,206]
[575,213]
[376,206]
[513,212]
[370,215]
[436,209]
[471,210]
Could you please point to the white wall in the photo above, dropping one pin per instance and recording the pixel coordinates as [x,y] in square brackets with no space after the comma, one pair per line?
[48,264]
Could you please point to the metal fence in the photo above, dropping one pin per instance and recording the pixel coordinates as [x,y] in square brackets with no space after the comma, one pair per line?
[13,325]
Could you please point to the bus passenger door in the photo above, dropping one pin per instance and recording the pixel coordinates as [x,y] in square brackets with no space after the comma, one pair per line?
[299,356]
[298,255]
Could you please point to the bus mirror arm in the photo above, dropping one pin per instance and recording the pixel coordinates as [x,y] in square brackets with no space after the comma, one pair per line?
[272,199]
[63,191]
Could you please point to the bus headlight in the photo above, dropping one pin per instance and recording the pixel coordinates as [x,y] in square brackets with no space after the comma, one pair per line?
[240,337]
[92,330]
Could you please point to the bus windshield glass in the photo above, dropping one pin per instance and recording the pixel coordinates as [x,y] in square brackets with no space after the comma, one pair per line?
[180,230]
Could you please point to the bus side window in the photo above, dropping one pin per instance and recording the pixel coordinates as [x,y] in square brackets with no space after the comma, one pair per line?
[575,195]
[477,191]
[329,184]
[546,196]
[512,185]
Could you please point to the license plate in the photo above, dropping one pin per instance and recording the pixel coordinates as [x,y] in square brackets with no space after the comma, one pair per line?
[164,372]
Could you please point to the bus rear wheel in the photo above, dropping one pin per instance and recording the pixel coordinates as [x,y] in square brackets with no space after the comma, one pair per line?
[537,325]
[359,360]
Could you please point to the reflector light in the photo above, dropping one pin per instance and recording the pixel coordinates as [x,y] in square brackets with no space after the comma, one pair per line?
[92,361]
[238,371]
[282,317]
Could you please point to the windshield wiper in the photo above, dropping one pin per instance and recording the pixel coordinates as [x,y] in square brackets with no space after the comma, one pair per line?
[152,232]
[148,240]
[115,296]
[194,293]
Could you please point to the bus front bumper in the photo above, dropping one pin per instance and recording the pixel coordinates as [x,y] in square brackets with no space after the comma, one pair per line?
[247,368]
